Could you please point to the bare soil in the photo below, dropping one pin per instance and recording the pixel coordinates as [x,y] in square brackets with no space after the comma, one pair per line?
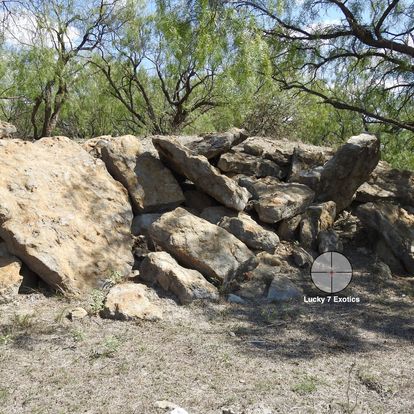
[291,357]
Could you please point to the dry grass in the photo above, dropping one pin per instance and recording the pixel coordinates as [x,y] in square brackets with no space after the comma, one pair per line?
[289,358]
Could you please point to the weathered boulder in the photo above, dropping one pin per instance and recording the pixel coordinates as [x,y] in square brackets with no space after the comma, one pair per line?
[281,150]
[198,170]
[203,246]
[186,284]
[317,217]
[212,145]
[10,275]
[388,184]
[282,288]
[129,301]
[301,257]
[243,227]
[62,214]
[7,129]
[151,186]
[285,200]
[307,157]
[395,225]
[342,175]
[241,163]
[259,187]
[288,228]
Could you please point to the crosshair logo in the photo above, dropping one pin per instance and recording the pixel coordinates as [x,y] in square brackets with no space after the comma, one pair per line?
[331,272]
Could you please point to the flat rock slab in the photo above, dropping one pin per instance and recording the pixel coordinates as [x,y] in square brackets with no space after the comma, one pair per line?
[243,227]
[198,170]
[186,284]
[131,301]
[241,163]
[395,225]
[200,245]
[281,150]
[212,145]
[343,174]
[388,184]
[285,200]
[282,289]
[62,213]
[151,186]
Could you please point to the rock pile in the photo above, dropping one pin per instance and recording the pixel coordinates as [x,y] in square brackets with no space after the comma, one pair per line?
[191,214]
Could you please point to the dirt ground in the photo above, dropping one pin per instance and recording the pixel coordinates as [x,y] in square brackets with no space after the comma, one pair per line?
[270,358]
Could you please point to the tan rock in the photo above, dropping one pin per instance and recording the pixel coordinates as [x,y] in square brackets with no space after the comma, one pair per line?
[343,174]
[150,184]
[62,213]
[388,184]
[186,284]
[212,145]
[10,275]
[131,301]
[395,225]
[198,170]
[200,245]
[7,129]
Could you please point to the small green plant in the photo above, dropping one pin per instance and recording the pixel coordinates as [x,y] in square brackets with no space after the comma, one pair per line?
[306,385]
[23,321]
[109,348]
[97,301]
[78,335]
[6,338]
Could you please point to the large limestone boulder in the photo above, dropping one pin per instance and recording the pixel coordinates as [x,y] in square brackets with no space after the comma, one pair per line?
[388,184]
[62,213]
[198,170]
[10,275]
[130,301]
[150,184]
[7,129]
[342,175]
[395,225]
[187,284]
[212,145]
[241,163]
[200,245]
[243,227]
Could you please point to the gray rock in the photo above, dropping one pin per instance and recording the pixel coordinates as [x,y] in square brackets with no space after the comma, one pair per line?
[301,257]
[388,184]
[142,222]
[187,284]
[198,170]
[151,186]
[200,245]
[395,225]
[282,289]
[285,201]
[281,150]
[212,145]
[317,218]
[235,299]
[328,241]
[288,228]
[242,163]
[343,174]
